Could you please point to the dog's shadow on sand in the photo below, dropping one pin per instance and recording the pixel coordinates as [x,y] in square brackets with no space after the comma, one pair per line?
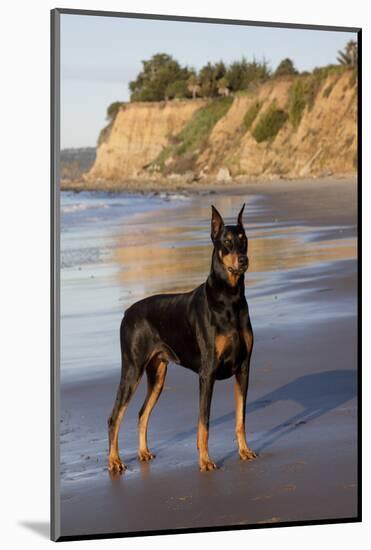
[317,394]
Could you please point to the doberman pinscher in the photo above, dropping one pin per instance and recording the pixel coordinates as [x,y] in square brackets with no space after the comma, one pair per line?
[207,330]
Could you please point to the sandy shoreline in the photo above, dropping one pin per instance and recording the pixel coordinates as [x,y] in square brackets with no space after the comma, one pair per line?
[302,406]
[148,185]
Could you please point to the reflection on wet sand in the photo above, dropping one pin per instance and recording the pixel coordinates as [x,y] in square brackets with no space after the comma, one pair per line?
[171,251]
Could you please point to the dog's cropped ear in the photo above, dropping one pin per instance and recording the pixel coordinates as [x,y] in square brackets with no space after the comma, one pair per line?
[217,223]
[239,217]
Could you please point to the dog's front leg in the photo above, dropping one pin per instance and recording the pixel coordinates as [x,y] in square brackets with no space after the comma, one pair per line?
[206,390]
[241,387]
[240,392]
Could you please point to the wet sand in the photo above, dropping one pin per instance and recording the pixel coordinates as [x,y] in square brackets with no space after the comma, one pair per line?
[302,402]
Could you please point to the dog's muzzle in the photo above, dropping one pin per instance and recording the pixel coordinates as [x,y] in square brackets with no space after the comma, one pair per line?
[243,264]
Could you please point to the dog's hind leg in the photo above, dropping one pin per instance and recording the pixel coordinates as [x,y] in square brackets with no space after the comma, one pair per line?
[130,378]
[156,372]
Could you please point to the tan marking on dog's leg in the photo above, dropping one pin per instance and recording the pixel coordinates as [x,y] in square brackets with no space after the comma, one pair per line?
[240,416]
[202,445]
[156,373]
[115,463]
[240,402]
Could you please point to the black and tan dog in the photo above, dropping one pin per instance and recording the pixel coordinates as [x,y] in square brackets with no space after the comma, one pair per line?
[207,330]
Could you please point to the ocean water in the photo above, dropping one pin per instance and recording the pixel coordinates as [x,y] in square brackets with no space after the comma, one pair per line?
[119,247]
[89,219]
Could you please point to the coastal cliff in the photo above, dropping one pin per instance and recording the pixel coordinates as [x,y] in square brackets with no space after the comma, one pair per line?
[137,135]
[288,127]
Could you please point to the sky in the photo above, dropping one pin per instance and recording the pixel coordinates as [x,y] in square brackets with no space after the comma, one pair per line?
[101,55]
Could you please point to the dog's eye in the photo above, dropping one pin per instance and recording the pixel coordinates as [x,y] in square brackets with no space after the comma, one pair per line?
[240,236]
[228,242]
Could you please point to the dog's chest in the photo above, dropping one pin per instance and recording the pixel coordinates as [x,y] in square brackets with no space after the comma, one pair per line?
[229,323]
[230,350]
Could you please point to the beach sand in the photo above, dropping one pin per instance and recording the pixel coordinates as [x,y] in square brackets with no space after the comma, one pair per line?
[302,401]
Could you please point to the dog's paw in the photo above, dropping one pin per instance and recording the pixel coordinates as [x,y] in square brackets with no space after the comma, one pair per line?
[247,454]
[145,456]
[116,465]
[207,464]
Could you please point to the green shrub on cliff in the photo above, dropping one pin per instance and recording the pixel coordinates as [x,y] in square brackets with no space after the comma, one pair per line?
[297,102]
[251,114]
[270,123]
[111,113]
[313,85]
[316,79]
[327,91]
[193,136]
[285,67]
[113,109]
[305,88]
[198,128]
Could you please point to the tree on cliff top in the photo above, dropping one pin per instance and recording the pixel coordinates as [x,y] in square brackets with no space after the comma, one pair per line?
[163,78]
[208,76]
[223,86]
[286,67]
[241,74]
[177,90]
[349,56]
[193,85]
[155,80]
